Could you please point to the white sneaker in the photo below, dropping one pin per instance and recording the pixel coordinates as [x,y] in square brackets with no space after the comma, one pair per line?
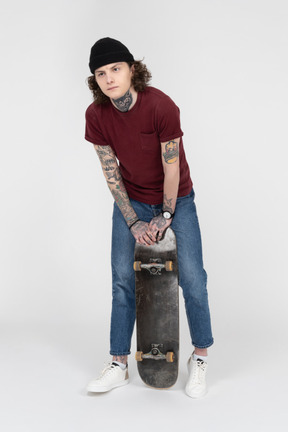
[196,385]
[112,376]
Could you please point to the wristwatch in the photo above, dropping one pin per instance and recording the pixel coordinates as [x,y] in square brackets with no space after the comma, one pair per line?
[167,215]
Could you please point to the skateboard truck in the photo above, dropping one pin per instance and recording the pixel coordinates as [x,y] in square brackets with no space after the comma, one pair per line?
[155,354]
[154,266]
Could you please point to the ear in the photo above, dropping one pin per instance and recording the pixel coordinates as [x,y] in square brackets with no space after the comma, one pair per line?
[132,69]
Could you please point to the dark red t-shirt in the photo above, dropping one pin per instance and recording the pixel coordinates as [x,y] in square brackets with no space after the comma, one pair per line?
[135,137]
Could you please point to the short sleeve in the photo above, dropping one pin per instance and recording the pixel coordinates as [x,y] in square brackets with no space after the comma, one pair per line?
[168,120]
[92,128]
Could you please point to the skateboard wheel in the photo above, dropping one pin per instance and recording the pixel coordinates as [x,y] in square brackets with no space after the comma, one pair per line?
[169,265]
[170,357]
[138,356]
[137,265]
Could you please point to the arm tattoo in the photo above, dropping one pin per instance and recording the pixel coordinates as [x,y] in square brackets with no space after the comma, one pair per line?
[105,155]
[167,204]
[115,183]
[114,175]
[171,152]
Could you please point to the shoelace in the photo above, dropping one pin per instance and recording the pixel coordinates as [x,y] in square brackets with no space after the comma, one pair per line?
[198,372]
[107,369]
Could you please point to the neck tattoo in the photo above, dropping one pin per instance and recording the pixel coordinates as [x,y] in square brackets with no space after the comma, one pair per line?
[124,102]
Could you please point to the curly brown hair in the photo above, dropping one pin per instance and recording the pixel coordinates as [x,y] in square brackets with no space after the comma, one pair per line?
[140,80]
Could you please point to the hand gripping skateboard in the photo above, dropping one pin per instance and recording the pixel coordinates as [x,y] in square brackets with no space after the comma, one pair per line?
[157,311]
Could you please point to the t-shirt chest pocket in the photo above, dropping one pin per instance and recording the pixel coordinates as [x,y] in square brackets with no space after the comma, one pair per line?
[150,143]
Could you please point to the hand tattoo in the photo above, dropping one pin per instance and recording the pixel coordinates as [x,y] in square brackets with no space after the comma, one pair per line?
[139,229]
[158,225]
[142,234]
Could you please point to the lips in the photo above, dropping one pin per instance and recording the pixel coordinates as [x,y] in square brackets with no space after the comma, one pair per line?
[112,88]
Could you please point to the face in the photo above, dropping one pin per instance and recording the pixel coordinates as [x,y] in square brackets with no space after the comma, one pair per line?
[114,79]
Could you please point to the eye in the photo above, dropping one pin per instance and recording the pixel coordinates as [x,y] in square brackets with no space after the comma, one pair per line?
[100,74]
[116,69]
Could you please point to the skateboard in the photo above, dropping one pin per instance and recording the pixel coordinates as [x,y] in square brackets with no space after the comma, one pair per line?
[157,311]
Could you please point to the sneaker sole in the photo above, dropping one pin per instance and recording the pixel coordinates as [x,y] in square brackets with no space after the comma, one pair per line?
[103,389]
[201,395]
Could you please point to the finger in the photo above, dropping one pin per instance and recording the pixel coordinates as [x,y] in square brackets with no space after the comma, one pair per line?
[160,233]
[151,235]
[142,240]
[148,240]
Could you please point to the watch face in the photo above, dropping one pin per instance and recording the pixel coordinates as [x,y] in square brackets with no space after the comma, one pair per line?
[167,215]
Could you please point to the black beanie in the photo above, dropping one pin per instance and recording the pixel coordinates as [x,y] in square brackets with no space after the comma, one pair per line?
[106,51]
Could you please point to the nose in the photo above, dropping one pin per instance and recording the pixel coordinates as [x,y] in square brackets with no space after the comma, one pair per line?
[109,78]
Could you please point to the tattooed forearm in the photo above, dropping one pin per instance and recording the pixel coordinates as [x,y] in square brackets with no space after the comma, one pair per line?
[105,156]
[120,195]
[168,204]
[115,183]
[171,152]
[114,175]
[171,168]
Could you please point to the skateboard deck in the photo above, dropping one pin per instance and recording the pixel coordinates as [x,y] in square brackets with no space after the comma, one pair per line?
[157,311]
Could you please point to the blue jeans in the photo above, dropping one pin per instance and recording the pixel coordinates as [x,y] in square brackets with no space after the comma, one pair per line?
[192,276]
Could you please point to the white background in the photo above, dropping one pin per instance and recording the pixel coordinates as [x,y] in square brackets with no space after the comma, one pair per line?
[225,65]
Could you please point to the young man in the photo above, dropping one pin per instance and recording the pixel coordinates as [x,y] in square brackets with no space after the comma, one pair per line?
[139,126]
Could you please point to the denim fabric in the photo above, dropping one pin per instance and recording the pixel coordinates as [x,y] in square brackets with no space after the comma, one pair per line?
[192,276]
